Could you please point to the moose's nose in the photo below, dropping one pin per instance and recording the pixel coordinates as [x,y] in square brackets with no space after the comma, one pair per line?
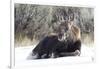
[62,37]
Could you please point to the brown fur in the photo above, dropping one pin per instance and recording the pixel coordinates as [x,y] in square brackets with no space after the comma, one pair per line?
[76,32]
[73,32]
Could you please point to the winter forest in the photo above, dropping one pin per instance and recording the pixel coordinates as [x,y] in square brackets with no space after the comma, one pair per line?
[34,22]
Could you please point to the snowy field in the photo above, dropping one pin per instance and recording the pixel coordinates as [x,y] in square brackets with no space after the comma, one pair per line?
[23,57]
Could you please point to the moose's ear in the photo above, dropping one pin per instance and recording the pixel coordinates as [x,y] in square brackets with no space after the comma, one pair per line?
[71,22]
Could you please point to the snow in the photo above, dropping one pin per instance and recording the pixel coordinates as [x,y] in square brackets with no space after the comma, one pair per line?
[23,57]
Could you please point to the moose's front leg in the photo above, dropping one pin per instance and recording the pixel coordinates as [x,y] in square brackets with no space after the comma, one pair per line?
[76,53]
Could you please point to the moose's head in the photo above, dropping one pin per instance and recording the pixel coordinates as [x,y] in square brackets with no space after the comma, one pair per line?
[65,24]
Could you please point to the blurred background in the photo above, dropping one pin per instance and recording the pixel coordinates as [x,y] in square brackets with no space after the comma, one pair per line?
[34,22]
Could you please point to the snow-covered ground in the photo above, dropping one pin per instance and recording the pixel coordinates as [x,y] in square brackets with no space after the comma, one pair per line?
[23,57]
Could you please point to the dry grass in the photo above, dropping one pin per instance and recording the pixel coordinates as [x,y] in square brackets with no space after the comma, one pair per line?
[87,39]
[25,42]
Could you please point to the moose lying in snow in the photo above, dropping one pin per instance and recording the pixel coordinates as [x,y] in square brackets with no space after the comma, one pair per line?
[66,43]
